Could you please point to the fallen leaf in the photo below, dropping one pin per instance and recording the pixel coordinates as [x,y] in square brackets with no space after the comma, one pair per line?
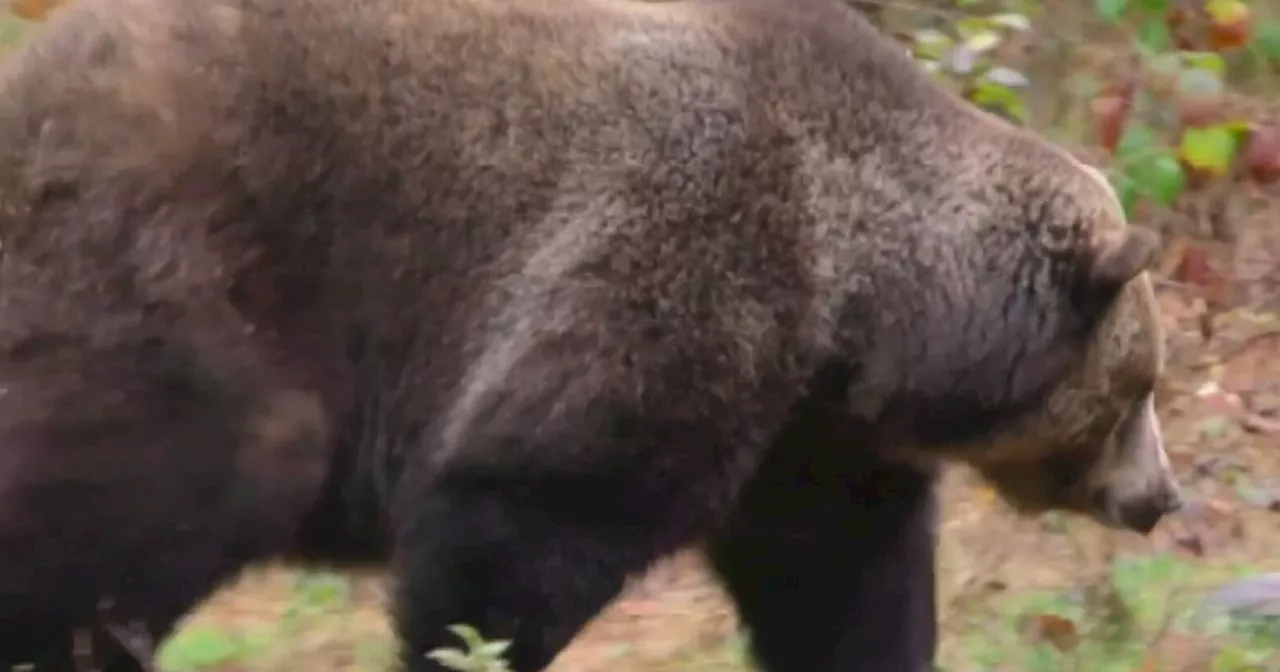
[1197,270]
[33,10]
[1171,261]
[1060,632]
[995,585]
[1211,285]
[1258,423]
[1203,524]
[1191,542]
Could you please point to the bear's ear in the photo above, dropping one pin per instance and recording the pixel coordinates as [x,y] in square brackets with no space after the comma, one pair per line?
[1122,258]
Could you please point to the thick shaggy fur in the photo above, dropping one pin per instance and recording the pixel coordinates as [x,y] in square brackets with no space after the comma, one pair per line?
[519,296]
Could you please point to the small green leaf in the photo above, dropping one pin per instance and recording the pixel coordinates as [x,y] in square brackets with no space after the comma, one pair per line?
[1225,11]
[970,25]
[1127,191]
[495,649]
[1111,11]
[932,44]
[1267,39]
[982,41]
[1210,149]
[1160,177]
[199,647]
[453,659]
[1154,35]
[1138,140]
[1239,128]
[1206,60]
[321,589]
[1012,20]
[468,634]
[931,36]
[989,94]
[1158,6]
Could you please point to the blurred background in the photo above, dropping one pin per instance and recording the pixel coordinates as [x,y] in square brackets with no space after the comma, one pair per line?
[1178,101]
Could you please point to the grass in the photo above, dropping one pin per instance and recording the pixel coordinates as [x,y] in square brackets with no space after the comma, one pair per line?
[1145,624]
[289,618]
[1142,613]
[1151,621]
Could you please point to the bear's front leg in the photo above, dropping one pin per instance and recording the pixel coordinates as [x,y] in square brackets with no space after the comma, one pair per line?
[526,558]
[830,556]
[483,557]
[565,464]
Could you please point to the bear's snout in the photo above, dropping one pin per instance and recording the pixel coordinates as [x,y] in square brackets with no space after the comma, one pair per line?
[1136,486]
[1140,513]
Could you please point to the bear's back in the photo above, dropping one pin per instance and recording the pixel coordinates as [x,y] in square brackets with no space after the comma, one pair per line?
[398,183]
[404,184]
[386,139]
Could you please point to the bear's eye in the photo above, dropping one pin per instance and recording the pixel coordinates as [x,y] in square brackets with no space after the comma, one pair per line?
[1136,381]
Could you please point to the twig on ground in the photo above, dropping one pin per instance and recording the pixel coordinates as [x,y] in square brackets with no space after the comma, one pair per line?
[134,638]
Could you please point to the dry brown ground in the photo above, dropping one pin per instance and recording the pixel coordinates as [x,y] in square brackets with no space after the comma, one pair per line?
[676,619]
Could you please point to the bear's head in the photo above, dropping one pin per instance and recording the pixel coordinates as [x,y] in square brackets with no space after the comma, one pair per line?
[1093,444]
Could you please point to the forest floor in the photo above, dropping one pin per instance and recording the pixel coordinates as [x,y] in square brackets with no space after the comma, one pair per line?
[1054,593]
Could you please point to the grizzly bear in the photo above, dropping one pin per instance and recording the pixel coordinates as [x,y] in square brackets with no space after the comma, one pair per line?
[517,297]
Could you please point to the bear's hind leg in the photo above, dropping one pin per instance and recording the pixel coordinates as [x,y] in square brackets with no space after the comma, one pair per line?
[830,560]
[137,480]
[97,611]
[36,641]
[47,643]
[114,616]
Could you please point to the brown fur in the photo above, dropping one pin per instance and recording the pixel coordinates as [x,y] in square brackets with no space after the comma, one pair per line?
[510,275]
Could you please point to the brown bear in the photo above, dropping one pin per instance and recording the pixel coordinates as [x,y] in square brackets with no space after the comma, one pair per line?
[520,296]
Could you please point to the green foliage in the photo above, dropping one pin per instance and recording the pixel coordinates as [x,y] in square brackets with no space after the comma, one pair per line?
[1163,119]
[1154,35]
[1111,11]
[1267,39]
[202,647]
[962,54]
[1156,175]
[316,590]
[1210,148]
[1151,598]
[479,656]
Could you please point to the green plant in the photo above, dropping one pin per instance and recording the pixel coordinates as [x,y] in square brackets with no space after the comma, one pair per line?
[1163,117]
[479,656]
[203,647]
[961,53]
